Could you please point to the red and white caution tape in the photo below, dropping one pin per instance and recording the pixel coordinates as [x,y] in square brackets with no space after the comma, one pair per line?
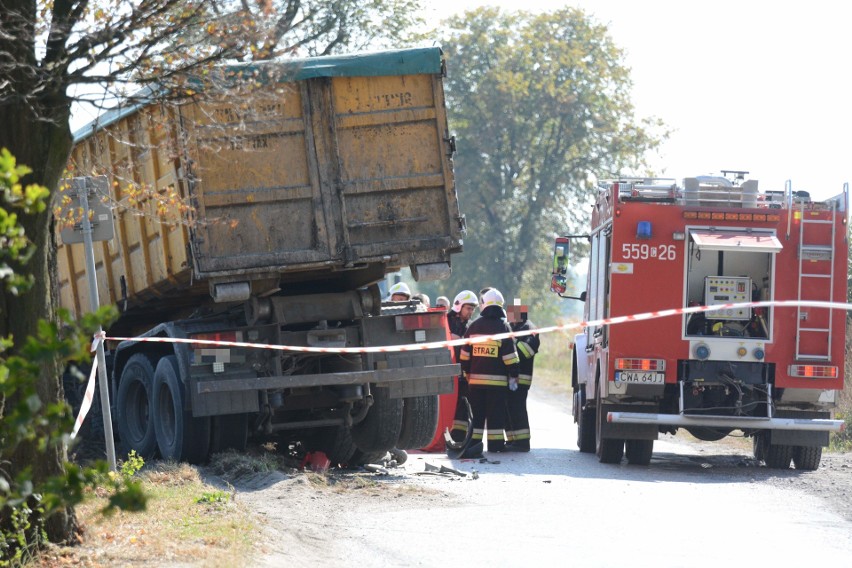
[90,387]
[483,338]
[89,395]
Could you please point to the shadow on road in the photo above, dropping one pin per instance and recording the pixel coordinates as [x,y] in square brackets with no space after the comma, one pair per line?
[665,467]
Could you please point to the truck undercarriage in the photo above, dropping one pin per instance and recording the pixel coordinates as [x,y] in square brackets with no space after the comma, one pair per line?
[329,401]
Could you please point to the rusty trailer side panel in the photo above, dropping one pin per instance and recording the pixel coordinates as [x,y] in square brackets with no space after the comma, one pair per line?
[147,259]
[327,178]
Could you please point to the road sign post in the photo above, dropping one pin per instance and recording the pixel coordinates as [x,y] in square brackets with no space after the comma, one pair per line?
[103,231]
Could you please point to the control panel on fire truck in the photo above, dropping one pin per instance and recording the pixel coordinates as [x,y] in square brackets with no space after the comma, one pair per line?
[727,290]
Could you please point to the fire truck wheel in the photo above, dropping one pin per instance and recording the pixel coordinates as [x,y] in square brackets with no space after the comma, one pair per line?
[180,436]
[779,456]
[585,426]
[380,429]
[639,451]
[228,432]
[807,458]
[608,450]
[133,408]
[419,422]
[758,446]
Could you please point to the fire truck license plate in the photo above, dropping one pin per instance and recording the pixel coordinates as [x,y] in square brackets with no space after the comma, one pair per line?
[637,378]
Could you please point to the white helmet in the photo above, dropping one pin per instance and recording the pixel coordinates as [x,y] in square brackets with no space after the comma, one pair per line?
[399,288]
[492,297]
[462,298]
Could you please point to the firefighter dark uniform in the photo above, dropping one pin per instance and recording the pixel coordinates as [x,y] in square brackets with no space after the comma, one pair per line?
[518,428]
[458,327]
[489,366]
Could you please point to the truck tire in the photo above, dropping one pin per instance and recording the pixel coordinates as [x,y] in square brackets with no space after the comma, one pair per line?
[134,408]
[639,451]
[585,426]
[778,456]
[360,458]
[180,436]
[228,432]
[75,391]
[608,450]
[807,458]
[419,422]
[380,429]
[335,442]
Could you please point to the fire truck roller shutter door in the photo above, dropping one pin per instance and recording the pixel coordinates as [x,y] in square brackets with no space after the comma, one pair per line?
[736,241]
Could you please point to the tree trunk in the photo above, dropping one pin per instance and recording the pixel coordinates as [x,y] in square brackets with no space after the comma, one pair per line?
[39,137]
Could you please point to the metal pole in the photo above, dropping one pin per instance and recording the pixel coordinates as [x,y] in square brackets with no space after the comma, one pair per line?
[83,194]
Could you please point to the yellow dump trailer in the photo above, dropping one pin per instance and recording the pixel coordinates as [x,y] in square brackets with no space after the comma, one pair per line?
[331,173]
[266,212]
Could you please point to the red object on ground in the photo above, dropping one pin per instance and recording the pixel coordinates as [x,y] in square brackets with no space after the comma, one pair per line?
[316,461]
[446,408]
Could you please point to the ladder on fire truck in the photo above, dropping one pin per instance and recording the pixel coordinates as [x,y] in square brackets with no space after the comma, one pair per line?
[814,250]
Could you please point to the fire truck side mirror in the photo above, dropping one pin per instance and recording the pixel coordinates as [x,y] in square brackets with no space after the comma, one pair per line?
[559,276]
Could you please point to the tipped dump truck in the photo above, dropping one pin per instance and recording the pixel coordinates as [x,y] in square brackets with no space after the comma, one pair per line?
[266,212]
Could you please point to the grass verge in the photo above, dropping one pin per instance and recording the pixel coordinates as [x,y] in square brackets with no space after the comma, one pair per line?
[187,522]
[553,363]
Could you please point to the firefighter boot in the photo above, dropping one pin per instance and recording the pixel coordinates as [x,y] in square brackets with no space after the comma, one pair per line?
[517,446]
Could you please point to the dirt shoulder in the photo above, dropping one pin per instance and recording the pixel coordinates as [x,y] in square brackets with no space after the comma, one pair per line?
[832,482]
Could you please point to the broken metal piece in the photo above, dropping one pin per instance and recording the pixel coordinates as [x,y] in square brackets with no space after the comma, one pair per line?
[445,469]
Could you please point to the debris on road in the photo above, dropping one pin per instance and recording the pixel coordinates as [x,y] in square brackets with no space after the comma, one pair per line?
[441,470]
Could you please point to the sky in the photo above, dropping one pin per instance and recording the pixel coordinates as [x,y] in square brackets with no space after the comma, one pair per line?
[764,87]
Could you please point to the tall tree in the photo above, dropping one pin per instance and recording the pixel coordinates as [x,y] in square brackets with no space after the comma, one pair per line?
[53,52]
[322,27]
[540,104]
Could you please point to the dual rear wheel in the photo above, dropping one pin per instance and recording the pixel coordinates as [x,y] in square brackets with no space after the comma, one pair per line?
[612,450]
[608,450]
[408,423]
[153,418]
[780,456]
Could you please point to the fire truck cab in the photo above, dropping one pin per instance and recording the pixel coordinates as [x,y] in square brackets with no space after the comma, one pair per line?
[770,371]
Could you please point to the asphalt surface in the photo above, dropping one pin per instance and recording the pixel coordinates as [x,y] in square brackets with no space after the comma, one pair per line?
[697,504]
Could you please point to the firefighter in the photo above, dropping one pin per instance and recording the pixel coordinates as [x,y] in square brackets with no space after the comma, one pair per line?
[458,317]
[518,430]
[492,370]
[399,292]
[443,302]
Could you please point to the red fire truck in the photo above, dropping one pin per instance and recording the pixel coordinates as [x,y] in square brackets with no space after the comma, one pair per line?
[772,372]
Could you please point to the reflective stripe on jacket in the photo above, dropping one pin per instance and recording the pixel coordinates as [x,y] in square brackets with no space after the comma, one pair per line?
[528,346]
[491,362]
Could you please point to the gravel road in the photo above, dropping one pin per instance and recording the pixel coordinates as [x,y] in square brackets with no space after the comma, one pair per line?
[697,504]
